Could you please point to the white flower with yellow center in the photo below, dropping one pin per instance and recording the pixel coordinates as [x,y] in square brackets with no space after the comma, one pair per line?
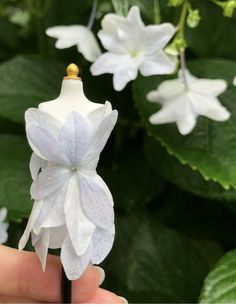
[133,47]
[187,97]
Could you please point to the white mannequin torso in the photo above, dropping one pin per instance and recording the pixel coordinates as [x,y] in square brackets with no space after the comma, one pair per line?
[71,98]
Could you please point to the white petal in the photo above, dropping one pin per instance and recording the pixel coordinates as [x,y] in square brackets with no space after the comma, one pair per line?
[158,63]
[87,45]
[188,75]
[81,36]
[75,136]
[107,63]
[126,72]
[80,228]
[157,36]
[41,246]
[48,181]
[73,264]
[234,81]
[33,216]
[36,163]
[186,123]
[209,106]
[57,236]
[36,117]
[3,214]
[166,90]
[102,244]
[99,140]
[46,145]
[97,204]
[209,87]
[96,116]
[52,210]
[3,235]
[134,17]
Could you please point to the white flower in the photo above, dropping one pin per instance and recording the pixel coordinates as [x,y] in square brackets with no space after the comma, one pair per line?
[183,104]
[3,226]
[133,47]
[81,36]
[73,207]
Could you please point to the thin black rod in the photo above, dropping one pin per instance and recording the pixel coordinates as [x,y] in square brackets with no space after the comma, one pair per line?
[65,288]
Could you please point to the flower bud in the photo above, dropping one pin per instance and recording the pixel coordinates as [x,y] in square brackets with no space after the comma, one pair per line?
[229,7]
[178,45]
[193,18]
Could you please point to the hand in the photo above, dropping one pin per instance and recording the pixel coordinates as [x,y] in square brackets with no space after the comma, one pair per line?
[23,281]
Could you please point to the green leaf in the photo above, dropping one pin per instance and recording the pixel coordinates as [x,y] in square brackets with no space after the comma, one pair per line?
[211,147]
[220,285]
[150,263]
[126,181]
[121,6]
[14,176]
[26,82]
[182,175]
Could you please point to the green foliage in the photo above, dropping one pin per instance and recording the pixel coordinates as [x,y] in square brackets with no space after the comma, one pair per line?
[175,197]
[220,286]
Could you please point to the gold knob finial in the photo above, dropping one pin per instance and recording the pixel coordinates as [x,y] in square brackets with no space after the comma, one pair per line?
[72,72]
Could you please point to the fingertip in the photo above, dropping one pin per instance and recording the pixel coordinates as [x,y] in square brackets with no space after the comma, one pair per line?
[87,285]
[103,296]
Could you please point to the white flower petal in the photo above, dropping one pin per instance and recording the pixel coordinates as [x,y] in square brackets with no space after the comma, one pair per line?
[68,36]
[126,72]
[3,234]
[209,87]
[97,204]
[99,140]
[41,244]
[57,236]
[80,228]
[134,18]
[88,46]
[3,214]
[234,81]
[48,181]
[102,244]
[158,63]
[46,145]
[36,163]
[36,117]
[157,36]
[107,63]
[75,137]
[52,212]
[186,123]
[73,264]
[33,216]
[209,106]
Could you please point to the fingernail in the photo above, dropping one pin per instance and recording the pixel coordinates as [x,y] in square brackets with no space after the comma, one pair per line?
[101,273]
[124,301]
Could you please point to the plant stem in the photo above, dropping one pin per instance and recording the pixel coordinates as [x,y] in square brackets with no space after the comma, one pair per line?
[181,24]
[183,68]
[92,14]
[157,11]
[65,288]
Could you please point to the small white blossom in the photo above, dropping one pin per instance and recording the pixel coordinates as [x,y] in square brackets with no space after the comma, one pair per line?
[81,36]
[183,103]
[3,226]
[73,207]
[133,47]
